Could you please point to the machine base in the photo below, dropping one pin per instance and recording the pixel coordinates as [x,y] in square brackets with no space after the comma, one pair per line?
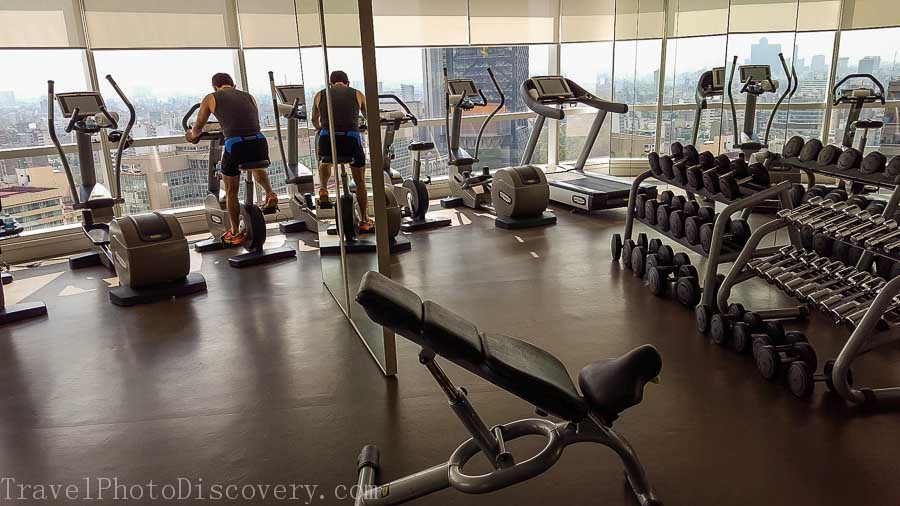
[7,278]
[293,227]
[84,260]
[547,218]
[127,296]
[211,244]
[399,244]
[451,202]
[23,311]
[426,224]
[262,256]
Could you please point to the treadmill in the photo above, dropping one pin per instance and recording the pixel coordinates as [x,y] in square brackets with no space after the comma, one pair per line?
[546,96]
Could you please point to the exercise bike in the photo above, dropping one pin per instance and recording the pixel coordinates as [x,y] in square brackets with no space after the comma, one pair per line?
[148,251]
[289,102]
[252,220]
[410,193]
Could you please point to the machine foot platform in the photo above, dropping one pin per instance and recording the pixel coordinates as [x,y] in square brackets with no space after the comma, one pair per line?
[451,202]
[546,218]
[293,227]
[211,244]
[426,224]
[127,296]
[263,256]
[84,260]
[7,278]
[23,311]
[399,244]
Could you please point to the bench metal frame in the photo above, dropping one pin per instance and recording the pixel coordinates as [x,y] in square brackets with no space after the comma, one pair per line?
[491,442]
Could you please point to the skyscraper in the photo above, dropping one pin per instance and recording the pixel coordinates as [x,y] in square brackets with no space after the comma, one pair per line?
[763,53]
[502,141]
[870,65]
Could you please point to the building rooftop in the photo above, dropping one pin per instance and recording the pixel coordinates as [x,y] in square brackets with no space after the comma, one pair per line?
[9,191]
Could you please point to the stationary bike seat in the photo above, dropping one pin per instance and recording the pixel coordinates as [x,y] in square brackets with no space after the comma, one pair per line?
[421,146]
[612,386]
[868,124]
[462,161]
[254,165]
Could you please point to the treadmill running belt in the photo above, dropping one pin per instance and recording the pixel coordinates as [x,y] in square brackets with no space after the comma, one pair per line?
[595,184]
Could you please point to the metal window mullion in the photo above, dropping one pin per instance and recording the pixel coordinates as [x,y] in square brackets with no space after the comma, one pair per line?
[555,69]
[832,76]
[661,85]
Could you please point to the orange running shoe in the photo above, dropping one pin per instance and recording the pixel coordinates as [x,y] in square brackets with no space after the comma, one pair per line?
[324,198]
[233,239]
[367,226]
[271,204]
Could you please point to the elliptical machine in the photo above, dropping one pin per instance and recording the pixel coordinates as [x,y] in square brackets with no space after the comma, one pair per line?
[410,193]
[148,251]
[289,102]
[858,97]
[756,80]
[518,195]
[252,221]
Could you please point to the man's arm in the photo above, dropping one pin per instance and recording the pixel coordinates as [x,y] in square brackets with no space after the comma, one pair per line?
[207,107]
[315,112]
[362,101]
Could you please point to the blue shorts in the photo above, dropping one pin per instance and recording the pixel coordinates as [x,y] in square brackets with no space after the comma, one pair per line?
[348,144]
[240,150]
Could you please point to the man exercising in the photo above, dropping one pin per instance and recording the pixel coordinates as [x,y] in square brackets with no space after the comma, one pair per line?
[238,115]
[346,106]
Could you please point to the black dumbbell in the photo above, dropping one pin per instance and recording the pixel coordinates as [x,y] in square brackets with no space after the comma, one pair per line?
[720,324]
[743,335]
[662,217]
[653,160]
[737,236]
[628,246]
[639,202]
[692,224]
[657,276]
[667,164]
[873,163]
[677,218]
[722,327]
[771,358]
[688,291]
[709,179]
[802,377]
[756,179]
[694,174]
[639,256]
[712,181]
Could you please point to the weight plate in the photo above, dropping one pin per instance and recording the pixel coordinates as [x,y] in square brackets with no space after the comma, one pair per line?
[677,149]
[653,159]
[640,203]
[719,329]
[654,244]
[638,261]
[678,202]
[740,337]
[692,230]
[801,381]
[706,233]
[688,271]
[681,259]
[687,291]
[616,247]
[643,241]
[690,154]
[626,253]
[665,165]
[656,282]
[822,244]
[676,224]
[666,254]
[690,208]
[768,362]
[650,211]
[662,217]
[893,167]
[666,197]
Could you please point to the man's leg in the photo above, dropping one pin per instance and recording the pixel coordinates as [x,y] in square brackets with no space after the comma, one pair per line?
[324,176]
[359,177]
[261,176]
[232,204]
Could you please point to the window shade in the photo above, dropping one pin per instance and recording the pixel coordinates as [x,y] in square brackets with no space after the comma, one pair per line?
[40,23]
[752,16]
[818,15]
[160,24]
[640,19]
[871,13]
[690,18]
[267,23]
[513,21]
[587,20]
[341,23]
[421,22]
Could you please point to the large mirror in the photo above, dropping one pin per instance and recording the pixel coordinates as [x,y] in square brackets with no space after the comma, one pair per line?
[366,214]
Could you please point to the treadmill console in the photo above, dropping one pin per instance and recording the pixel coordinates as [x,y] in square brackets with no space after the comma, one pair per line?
[755,73]
[552,88]
[460,86]
[88,103]
[290,92]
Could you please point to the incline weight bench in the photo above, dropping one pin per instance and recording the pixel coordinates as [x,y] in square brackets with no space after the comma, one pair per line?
[608,387]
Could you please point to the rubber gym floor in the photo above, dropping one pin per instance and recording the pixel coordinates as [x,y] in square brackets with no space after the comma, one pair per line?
[262,381]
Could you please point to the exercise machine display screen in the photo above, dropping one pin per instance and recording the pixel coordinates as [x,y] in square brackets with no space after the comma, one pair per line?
[291,92]
[88,103]
[756,73]
[718,78]
[554,86]
[460,86]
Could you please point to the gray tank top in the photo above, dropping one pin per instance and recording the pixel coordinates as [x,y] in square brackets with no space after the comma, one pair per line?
[345,109]
[236,112]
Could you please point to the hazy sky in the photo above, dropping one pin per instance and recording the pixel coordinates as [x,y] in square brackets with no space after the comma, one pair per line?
[174,72]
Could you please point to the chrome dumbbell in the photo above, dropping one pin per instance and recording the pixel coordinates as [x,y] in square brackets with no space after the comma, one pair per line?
[812,203]
[831,270]
[825,208]
[837,305]
[850,221]
[822,283]
[816,265]
[801,263]
[853,282]
[823,221]
[794,257]
[873,221]
[784,253]
[890,237]
[885,227]
[853,319]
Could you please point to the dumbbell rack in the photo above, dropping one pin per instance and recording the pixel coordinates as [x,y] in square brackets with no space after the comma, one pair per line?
[717,255]
[868,332]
